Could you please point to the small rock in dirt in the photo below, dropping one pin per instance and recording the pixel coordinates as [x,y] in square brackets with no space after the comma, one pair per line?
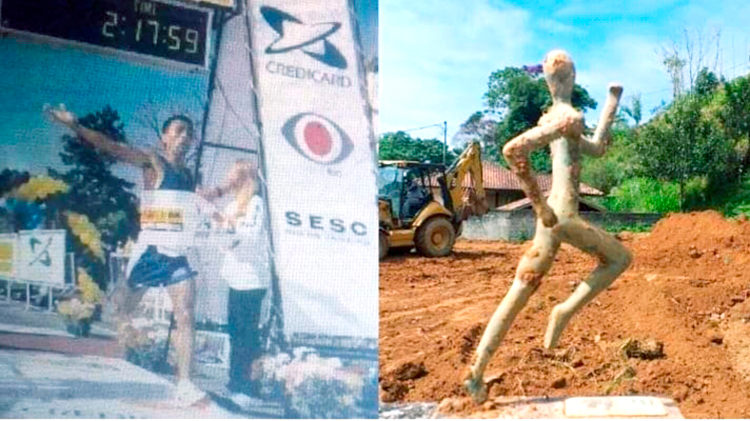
[560,383]
[449,405]
[410,371]
[694,253]
[624,236]
[577,363]
[651,277]
[446,405]
[392,391]
[717,338]
[680,392]
[489,405]
[737,299]
[650,349]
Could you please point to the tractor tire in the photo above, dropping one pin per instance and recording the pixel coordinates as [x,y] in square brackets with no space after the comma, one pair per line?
[435,238]
[383,244]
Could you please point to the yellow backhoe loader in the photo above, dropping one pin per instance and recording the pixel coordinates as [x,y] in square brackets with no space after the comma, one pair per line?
[423,205]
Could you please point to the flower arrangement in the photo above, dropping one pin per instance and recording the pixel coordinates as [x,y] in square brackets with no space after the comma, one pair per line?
[78,309]
[145,341]
[314,387]
[39,188]
[90,291]
[87,233]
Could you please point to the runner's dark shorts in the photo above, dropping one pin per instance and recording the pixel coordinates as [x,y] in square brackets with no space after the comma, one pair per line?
[155,269]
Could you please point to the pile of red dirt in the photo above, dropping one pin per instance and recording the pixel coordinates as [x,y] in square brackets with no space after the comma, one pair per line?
[687,295]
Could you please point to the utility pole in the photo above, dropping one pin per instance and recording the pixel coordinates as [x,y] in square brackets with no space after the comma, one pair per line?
[444,126]
[445,140]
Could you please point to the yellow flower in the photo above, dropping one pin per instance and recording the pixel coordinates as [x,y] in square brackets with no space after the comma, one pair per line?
[86,232]
[39,188]
[90,291]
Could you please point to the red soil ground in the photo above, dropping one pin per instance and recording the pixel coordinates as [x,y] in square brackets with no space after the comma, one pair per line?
[688,289]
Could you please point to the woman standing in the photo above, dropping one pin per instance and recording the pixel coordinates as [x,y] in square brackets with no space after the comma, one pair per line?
[246,269]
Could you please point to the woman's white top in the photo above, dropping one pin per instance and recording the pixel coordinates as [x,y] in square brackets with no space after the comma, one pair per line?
[247,260]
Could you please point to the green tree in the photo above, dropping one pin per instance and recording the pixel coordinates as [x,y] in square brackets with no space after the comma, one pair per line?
[706,82]
[635,109]
[106,199]
[735,115]
[479,128]
[617,165]
[520,96]
[10,179]
[684,143]
[400,146]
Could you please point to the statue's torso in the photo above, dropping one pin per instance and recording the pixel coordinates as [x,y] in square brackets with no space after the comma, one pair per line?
[566,158]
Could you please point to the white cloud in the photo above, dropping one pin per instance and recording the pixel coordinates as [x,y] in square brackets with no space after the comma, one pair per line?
[630,60]
[613,7]
[436,58]
[552,26]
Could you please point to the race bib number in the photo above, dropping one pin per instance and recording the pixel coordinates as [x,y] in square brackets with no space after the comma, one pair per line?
[169,218]
[163,219]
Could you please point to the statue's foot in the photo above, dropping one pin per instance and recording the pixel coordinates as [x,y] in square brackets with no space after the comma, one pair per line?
[476,388]
[557,323]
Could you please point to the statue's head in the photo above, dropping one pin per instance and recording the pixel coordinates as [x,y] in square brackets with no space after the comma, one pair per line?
[560,74]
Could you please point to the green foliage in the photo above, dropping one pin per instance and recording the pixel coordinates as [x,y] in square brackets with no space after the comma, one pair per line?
[732,199]
[10,179]
[521,97]
[706,82]
[735,115]
[106,199]
[400,146]
[634,110]
[635,227]
[684,143]
[644,195]
[479,128]
[617,165]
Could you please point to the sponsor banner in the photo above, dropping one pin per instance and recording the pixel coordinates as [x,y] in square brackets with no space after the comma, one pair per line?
[319,165]
[8,255]
[41,256]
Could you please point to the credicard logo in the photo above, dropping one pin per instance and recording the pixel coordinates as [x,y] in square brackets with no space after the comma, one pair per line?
[310,38]
[317,138]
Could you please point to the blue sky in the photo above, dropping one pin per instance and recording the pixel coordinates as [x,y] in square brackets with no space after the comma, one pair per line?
[37,74]
[436,57]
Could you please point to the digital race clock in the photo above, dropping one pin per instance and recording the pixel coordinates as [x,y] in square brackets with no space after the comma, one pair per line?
[156,29]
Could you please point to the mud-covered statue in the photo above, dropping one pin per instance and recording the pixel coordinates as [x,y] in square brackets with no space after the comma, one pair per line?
[558,222]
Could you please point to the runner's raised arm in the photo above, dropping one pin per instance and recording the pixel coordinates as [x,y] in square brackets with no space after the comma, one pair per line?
[99,140]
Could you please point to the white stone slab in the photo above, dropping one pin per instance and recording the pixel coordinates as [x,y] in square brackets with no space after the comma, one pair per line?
[614,406]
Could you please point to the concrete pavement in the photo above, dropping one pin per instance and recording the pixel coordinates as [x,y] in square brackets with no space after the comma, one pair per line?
[45,372]
[47,385]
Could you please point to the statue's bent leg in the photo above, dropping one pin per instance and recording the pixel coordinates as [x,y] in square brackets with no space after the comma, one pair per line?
[534,264]
[614,259]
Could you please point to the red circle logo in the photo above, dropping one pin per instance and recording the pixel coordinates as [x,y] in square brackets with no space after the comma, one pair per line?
[317,138]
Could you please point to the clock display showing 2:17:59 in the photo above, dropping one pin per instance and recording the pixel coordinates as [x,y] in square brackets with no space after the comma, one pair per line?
[151,31]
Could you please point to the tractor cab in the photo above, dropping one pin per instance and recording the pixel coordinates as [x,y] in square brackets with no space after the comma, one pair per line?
[404,189]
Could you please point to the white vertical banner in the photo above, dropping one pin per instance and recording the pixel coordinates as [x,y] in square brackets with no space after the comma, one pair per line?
[320,165]
[41,256]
